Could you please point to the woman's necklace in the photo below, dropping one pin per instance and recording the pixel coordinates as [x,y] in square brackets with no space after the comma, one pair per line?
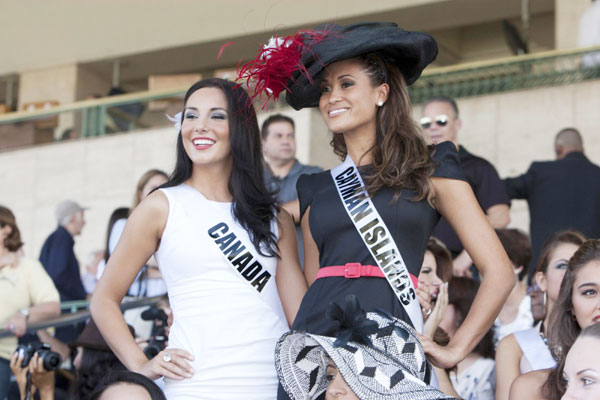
[542,335]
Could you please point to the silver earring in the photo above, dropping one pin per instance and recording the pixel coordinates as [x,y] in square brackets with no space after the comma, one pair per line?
[380,103]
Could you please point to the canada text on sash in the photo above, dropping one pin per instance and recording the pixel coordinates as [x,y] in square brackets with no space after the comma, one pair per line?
[375,233]
[243,261]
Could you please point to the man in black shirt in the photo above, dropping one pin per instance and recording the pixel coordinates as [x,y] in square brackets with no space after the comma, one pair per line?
[561,194]
[440,122]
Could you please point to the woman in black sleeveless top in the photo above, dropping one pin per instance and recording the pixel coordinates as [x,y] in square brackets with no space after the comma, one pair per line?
[357,75]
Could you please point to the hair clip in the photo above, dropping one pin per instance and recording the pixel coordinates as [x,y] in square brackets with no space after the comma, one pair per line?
[176,120]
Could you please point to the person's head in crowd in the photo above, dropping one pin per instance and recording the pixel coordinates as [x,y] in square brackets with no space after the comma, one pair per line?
[568,140]
[147,183]
[517,247]
[440,120]
[278,139]
[437,266]
[128,385]
[10,236]
[577,307]
[461,294]
[69,215]
[93,360]
[348,366]
[235,149]
[582,370]
[552,264]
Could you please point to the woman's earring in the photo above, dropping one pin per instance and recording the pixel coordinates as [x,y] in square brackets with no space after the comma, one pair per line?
[380,103]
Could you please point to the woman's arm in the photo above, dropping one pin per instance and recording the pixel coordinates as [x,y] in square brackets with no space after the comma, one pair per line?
[139,241]
[311,252]
[508,365]
[456,202]
[291,284]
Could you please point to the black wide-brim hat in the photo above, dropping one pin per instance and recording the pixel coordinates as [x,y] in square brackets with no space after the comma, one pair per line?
[411,52]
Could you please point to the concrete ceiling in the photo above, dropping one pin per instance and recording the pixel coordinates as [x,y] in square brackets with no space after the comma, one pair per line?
[185,36]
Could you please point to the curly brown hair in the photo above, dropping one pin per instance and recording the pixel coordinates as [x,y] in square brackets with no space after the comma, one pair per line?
[400,157]
[563,328]
[13,241]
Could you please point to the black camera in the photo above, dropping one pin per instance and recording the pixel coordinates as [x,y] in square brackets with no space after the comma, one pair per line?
[51,359]
[158,340]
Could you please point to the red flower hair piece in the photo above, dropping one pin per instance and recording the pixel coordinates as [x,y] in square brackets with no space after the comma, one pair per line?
[276,62]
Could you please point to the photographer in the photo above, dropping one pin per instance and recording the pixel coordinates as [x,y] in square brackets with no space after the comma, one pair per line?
[27,293]
[41,378]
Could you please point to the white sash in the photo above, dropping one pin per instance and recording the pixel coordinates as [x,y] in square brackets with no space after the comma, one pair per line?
[233,242]
[534,349]
[377,237]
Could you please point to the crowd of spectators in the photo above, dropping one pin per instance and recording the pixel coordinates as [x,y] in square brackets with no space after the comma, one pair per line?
[533,333]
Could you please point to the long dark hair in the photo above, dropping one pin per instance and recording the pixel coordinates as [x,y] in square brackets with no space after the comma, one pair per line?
[557,238]
[124,376]
[461,294]
[563,328]
[253,205]
[117,214]
[95,365]
[400,157]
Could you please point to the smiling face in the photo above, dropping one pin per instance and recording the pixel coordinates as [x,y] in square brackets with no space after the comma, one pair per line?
[349,100]
[586,294]
[582,371]
[205,128]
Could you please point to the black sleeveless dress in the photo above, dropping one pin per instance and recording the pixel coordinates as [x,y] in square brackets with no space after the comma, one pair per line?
[409,222]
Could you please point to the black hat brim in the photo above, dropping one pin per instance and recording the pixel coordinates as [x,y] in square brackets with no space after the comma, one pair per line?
[411,52]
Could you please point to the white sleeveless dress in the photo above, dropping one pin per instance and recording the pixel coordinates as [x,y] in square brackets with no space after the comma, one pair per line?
[218,317]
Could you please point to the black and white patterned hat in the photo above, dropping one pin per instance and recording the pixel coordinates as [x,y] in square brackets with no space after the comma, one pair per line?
[379,357]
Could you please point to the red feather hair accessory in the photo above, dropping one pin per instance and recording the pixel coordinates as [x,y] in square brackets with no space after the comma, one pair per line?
[270,72]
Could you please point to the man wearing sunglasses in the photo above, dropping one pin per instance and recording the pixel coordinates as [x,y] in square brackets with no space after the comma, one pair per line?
[440,123]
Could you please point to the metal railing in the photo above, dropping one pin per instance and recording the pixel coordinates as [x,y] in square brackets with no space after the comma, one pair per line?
[79,312]
[512,73]
[463,80]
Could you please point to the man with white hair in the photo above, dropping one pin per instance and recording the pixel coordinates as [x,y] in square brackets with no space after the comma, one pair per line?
[58,258]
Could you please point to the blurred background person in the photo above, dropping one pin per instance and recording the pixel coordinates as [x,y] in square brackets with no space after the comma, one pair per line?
[283,169]
[577,307]
[59,260]
[516,314]
[436,268]
[27,293]
[527,350]
[474,377]
[441,122]
[149,282]
[127,384]
[561,194]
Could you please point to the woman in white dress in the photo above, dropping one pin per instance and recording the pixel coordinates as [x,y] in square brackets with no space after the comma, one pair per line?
[225,254]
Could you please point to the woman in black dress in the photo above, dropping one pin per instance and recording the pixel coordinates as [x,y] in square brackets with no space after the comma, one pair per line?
[357,75]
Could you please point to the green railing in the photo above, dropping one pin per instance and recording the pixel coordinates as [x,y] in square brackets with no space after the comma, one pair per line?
[91,117]
[502,75]
[79,312]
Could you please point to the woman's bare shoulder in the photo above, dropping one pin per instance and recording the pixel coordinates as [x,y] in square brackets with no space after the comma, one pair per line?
[529,386]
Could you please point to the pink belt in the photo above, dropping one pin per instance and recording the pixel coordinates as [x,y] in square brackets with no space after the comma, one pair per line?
[355,270]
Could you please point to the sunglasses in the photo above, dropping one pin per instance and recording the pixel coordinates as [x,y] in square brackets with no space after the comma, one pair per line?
[440,120]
